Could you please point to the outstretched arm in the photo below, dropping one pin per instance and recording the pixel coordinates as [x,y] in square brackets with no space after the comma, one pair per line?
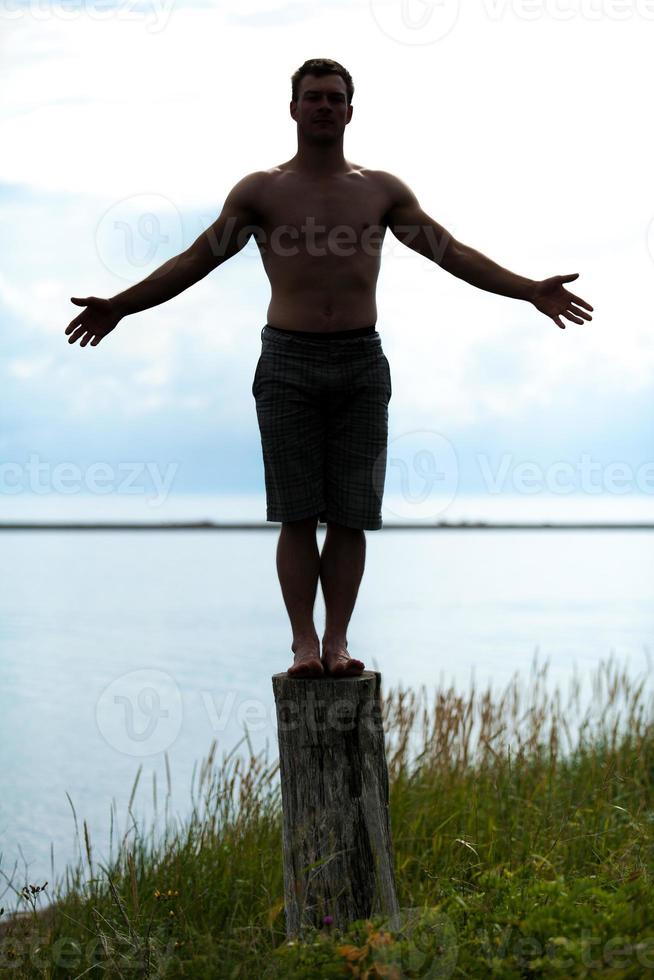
[416,229]
[223,239]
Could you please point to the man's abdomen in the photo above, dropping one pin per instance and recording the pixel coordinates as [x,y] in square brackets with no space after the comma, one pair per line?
[323,296]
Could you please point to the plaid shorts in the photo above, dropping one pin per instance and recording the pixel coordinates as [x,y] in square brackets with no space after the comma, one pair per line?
[322,407]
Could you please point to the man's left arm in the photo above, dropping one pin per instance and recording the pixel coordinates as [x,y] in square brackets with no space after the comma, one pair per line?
[547,295]
[417,230]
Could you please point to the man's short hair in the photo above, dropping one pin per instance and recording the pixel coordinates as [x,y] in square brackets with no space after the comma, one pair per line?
[319,67]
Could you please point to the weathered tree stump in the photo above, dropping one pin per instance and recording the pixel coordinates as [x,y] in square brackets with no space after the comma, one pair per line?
[337,847]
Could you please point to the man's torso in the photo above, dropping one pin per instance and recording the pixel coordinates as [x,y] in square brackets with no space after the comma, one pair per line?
[320,241]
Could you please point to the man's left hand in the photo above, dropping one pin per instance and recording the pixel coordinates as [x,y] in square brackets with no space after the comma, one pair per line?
[552,299]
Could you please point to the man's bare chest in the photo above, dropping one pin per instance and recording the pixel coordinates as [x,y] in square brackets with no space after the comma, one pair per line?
[303,213]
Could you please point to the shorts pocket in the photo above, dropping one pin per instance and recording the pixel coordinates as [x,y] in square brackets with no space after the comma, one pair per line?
[388,375]
[257,372]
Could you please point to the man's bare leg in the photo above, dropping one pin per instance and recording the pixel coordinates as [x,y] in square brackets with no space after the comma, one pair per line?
[341,568]
[298,565]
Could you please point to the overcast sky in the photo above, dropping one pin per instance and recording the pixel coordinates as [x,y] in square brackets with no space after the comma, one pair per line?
[523,128]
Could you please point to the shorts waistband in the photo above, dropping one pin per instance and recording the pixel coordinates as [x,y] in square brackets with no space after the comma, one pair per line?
[323,335]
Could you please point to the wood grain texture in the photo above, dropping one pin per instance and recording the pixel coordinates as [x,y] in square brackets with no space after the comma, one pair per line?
[337,847]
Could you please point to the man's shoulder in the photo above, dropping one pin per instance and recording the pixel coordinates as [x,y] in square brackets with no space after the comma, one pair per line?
[391,182]
[381,179]
[373,175]
[246,192]
[261,181]
[388,185]
[253,180]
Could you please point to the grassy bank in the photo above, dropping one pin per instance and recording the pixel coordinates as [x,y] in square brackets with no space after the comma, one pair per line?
[524,847]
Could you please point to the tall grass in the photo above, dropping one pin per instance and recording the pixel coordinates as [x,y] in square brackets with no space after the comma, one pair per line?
[524,822]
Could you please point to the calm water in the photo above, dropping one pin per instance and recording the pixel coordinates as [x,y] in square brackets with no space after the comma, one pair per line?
[117,646]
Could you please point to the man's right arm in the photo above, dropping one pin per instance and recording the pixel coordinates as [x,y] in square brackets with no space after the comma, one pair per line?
[222,240]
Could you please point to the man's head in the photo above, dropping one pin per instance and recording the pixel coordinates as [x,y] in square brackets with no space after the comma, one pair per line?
[320,67]
[321,101]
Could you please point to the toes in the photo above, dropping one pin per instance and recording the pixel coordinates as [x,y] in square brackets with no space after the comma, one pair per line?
[345,666]
[311,668]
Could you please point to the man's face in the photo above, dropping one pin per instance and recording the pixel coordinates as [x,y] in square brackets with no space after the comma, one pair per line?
[321,110]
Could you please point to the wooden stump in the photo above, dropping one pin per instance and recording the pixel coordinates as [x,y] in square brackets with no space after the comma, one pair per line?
[337,848]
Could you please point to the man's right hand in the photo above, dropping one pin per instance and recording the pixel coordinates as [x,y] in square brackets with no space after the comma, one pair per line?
[95,322]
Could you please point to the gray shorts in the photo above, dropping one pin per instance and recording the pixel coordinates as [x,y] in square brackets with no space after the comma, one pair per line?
[322,408]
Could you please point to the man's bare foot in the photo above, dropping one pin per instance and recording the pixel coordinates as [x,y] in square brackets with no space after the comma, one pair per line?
[337,661]
[307,659]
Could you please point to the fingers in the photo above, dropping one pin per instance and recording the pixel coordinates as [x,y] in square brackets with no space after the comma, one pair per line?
[77,333]
[579,312]
[80,302]
[574,275]
[582,302]
[87,337]
[74,323]
[572,314]
[80,330]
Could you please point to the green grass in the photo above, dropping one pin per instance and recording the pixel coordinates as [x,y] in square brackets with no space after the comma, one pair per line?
[523,835]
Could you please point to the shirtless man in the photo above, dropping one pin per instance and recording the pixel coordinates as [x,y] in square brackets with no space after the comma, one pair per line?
[322,383]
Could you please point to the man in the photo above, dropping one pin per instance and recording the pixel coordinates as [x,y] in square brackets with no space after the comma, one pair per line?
[322,384]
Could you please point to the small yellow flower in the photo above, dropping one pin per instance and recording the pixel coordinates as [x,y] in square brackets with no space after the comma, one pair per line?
[353,952]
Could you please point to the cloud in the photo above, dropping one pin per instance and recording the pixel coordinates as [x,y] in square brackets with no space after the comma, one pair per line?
[28,367]
[481,159]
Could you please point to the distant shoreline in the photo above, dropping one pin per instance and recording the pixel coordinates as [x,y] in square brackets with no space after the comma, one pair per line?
[272,526]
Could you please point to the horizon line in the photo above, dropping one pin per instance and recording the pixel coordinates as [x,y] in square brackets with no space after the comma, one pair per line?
[274,525]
